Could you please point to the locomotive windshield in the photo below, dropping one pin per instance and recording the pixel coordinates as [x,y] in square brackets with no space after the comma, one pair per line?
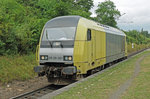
[60,34]
[61,37]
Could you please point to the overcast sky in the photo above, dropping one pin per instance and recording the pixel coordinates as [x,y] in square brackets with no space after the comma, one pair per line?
[137,13]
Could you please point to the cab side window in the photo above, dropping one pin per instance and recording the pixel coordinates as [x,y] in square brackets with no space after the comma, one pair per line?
[88,35]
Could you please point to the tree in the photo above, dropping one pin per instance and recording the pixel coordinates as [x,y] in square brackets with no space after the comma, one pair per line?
[21,21]
[134,36]
[86,5]
[12,14]
[145,33]
[107,13]
[81,7]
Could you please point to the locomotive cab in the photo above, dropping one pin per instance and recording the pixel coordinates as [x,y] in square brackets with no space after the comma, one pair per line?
[56,49]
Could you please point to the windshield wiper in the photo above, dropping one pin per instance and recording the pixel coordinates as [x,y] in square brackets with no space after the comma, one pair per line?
[61,45]
[48,40]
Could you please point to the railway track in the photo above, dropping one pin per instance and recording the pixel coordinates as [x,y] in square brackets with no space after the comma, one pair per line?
[50,88]
[39,92]
[134,53]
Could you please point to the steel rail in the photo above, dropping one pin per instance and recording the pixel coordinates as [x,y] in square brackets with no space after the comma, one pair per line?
[38,92]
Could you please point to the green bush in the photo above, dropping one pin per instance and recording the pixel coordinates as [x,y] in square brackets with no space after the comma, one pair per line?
[21,21]
[17,67]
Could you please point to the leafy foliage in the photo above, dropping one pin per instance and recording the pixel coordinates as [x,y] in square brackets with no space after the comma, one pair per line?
[85,4]
[137,37]
[107,13]
[21,21]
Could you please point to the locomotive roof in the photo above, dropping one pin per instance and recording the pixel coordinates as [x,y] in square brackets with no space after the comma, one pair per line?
[63,21]
[72,21]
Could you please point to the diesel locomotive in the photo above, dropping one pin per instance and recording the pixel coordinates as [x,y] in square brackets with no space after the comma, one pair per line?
[72,46]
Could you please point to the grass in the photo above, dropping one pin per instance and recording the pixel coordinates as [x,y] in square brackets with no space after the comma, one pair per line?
[103,85]
[16,67]
[140,88]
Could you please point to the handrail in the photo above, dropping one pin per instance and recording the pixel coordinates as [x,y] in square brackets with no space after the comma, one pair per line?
[37,53]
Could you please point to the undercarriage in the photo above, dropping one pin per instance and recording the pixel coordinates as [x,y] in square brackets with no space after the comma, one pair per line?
[57,75]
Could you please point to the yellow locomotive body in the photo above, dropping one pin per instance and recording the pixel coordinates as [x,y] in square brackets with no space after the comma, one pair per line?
[94,45]
[89,54]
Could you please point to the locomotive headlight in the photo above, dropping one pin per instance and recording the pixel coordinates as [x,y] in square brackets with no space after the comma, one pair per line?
[70,58]
[44,57]
[67,58]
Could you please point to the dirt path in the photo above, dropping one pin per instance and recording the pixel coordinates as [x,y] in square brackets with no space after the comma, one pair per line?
[19,87]
[126,85]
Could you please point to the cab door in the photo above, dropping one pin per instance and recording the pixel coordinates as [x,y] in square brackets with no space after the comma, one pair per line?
[91,46]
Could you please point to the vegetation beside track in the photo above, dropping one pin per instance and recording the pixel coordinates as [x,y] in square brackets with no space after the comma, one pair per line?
[136,48]
[103,85]
[16,67]
[20,67]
